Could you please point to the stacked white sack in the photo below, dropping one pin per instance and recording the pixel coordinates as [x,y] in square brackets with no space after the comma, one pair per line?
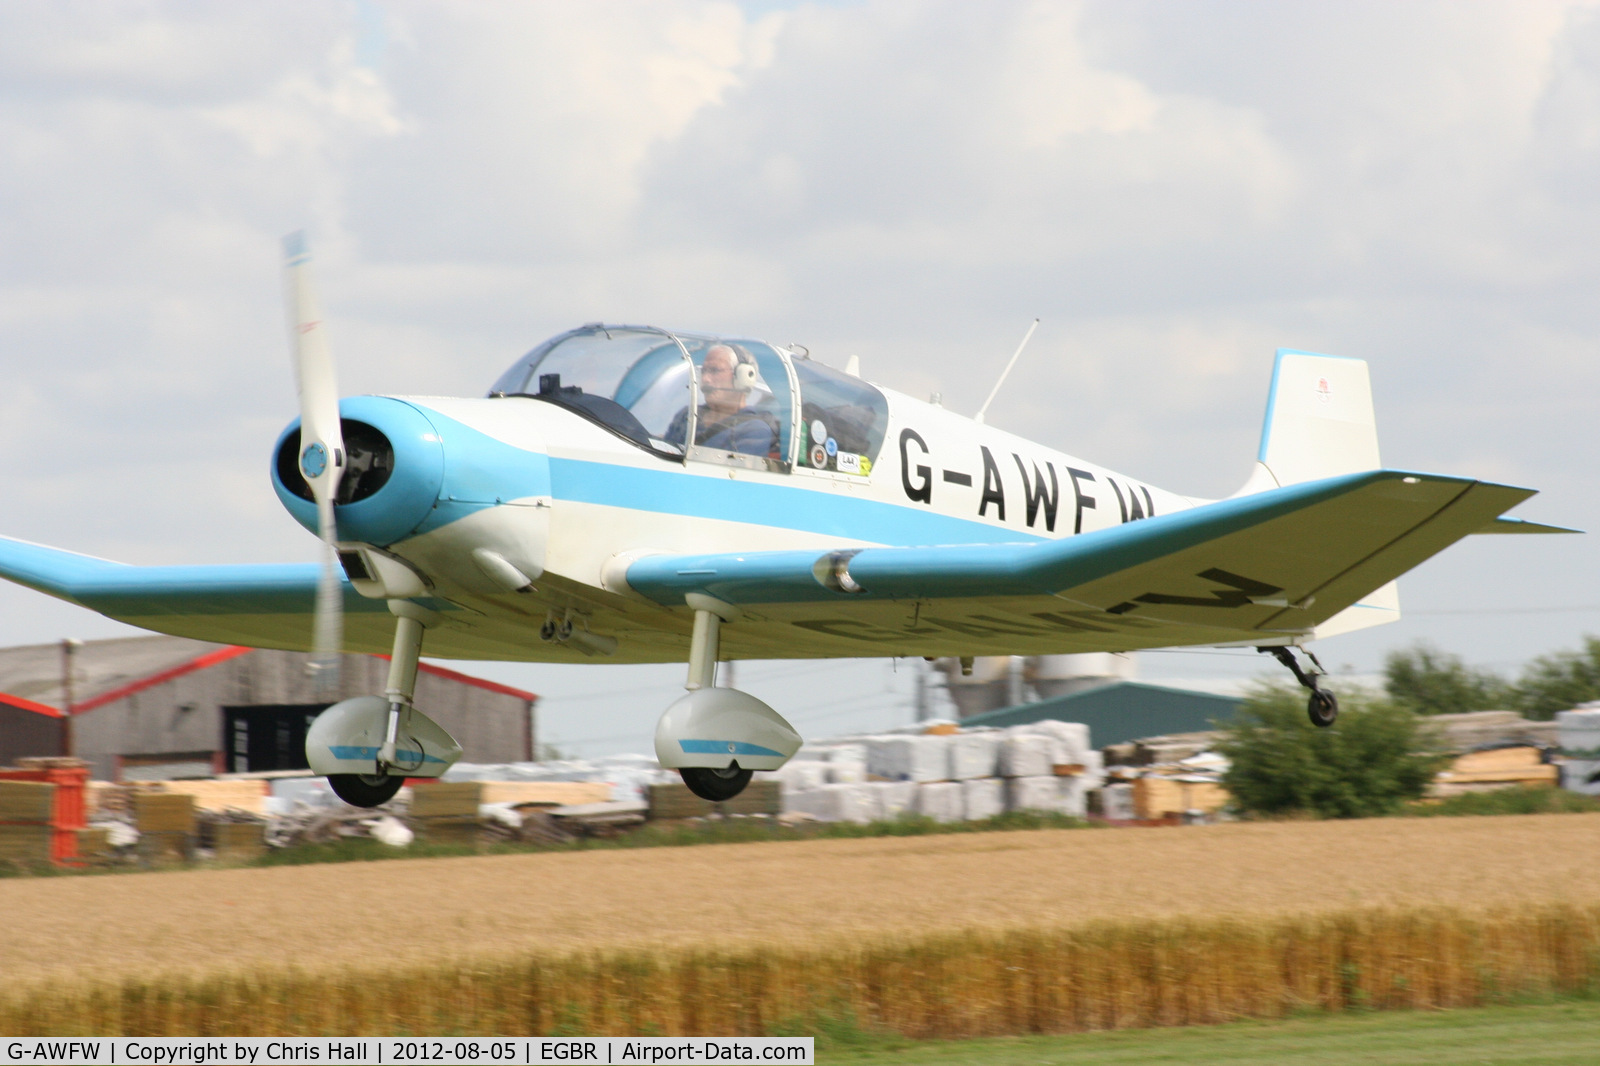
[1116,802]
[1072,738]
[895,798]
[837,803]
[1053,795]
[1027,755]
[798,775]
[1581,775]
[1094,769]
[1580,732]
[909,758]
[974,755]
[943,801]
[1072,797]
[982,797]
[847,764]
[1580,744]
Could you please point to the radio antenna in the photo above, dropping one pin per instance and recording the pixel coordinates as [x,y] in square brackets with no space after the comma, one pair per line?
[978,418]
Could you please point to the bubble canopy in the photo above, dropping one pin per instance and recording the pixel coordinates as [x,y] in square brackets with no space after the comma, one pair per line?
[692,395]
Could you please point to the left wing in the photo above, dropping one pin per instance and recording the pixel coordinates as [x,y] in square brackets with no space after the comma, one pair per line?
[1262,569]
[263,606]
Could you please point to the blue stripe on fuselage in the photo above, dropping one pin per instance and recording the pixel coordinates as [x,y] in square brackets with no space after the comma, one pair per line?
[481,469]
[792,506]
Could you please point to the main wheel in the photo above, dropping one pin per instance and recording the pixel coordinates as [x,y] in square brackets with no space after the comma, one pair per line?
[715,785]
[365,790]
[1323,708]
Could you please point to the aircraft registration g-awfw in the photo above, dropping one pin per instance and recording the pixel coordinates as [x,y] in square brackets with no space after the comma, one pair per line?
[635,494]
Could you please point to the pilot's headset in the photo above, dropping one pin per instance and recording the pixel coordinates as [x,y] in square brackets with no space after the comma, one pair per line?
[746,375]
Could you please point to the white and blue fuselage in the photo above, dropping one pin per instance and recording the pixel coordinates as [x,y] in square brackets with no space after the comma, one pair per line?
[573,503]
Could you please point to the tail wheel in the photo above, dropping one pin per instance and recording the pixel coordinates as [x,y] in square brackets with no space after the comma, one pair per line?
[365,790]
[1322,708]
[715,785]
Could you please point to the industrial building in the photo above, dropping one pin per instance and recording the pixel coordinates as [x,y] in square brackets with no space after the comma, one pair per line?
[151,708]
[1097,689]
[1119,711]
[29,729]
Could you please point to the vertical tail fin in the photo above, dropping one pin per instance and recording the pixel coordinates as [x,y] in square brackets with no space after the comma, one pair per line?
[1320,424]
[1319,421]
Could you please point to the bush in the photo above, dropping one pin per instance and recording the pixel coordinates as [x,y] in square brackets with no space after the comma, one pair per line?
[1370,762]
[1430,681]
[1561,681]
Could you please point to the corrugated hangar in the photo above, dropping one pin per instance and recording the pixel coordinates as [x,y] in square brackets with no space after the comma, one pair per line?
[147,708]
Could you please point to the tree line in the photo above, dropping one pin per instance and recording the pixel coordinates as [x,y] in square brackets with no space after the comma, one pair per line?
[1382,754]
[1429,681]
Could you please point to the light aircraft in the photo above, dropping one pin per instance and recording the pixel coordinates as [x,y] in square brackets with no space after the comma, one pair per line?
[640,495]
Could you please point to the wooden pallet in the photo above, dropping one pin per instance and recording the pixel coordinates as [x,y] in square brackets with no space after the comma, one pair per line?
[673,800]
[447,799]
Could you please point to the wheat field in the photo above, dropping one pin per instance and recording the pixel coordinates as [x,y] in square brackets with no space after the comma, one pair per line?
[1104,975]
[798,896]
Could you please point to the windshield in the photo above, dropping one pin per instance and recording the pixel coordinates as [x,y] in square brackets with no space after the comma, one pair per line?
[634,381]
[744,404]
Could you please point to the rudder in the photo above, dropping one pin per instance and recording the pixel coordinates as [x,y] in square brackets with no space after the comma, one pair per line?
[1319,421]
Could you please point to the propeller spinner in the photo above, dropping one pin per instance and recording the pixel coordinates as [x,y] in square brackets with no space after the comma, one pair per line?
[322,454]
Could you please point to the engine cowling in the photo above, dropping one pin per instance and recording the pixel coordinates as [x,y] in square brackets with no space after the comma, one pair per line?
[394,471]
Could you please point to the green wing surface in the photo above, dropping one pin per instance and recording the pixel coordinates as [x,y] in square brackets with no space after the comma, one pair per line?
[1261,569]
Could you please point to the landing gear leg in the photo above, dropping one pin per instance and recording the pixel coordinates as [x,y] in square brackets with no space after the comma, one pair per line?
[1323,706]
[402,685]
[705,734]
[704,644]
[721,783]
[389,770]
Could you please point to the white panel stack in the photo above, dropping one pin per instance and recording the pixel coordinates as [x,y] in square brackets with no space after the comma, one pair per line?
[909,758]
[895,798]
[974,755]
[1072,738]
[942,801]
[847,764]
[1094,769]
[838,803]
[1116,802]
[1072,797]
[801,776]
[1580,744]
[983,797]
[1033,794]
[1027,755]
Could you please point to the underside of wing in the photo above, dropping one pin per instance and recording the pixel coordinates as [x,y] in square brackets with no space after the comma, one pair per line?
[262,606]
[1262,569]
[271,606]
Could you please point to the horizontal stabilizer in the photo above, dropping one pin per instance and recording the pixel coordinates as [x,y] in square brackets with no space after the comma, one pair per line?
[1522,525]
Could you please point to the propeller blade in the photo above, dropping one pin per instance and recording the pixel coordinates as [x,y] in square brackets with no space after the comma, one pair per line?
[322,457]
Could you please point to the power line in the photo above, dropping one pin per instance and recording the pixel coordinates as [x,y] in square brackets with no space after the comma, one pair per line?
[1577,609]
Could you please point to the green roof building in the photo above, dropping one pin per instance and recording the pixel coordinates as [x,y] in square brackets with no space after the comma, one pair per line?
[1121,711]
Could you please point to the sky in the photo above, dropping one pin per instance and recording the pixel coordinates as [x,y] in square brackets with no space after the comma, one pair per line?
[1175,190]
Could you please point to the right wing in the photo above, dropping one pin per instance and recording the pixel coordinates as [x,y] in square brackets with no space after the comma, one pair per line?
[1261,569]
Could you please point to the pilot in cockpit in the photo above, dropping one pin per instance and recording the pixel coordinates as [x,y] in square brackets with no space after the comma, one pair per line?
[725,421]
